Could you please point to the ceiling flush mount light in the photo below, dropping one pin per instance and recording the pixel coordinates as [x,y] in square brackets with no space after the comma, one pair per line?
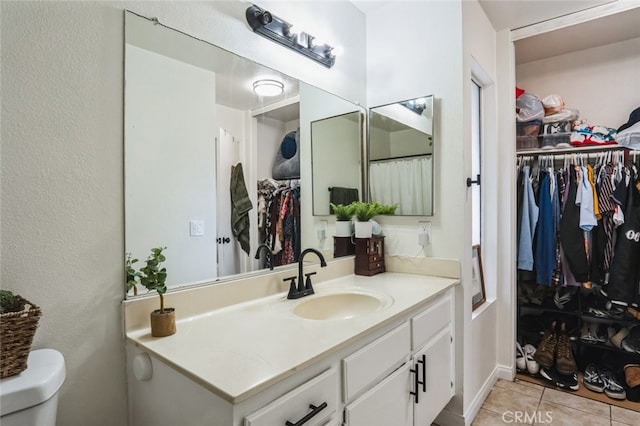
[268,87]
[270,26]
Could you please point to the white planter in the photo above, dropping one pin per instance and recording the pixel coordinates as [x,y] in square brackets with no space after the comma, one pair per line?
[343,228]
[363,229]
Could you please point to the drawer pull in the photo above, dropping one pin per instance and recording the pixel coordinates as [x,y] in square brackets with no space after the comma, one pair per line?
[416,382]
[314,410]
[423,361]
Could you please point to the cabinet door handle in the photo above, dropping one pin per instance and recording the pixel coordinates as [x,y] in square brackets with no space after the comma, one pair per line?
[314,410]
[416,383]
[423,361]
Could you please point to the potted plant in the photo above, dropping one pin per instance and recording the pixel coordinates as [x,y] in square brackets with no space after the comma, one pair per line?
[343,213]
[18,322]
[152,277]
[364,212]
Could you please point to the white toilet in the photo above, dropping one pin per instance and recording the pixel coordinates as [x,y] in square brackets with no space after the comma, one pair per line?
[31,397]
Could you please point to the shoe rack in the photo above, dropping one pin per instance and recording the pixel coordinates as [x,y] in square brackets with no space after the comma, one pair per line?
[595,333]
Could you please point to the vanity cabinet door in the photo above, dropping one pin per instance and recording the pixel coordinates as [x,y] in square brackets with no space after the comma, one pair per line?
[387,403]
[436,360]
[315,400]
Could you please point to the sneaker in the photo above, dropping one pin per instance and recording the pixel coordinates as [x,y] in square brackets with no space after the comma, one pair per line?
[612,387]
[631,343]
[547,348]
[565,363]
[532,366]
[521,364]
[588,333]
[569,382]
[592,379]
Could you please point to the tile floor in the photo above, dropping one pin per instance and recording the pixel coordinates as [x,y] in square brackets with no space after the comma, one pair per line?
[522,402]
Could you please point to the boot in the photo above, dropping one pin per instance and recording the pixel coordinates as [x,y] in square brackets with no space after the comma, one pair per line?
[565,363]
[547,348]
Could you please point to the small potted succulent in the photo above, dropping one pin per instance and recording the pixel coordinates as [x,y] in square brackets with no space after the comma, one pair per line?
[152,277]
[343,213]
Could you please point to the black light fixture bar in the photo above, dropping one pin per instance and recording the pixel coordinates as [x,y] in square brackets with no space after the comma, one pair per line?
[270,26]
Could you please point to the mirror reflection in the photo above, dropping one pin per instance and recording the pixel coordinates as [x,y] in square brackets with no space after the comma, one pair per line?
[401,155]
[213,165]
[336,162]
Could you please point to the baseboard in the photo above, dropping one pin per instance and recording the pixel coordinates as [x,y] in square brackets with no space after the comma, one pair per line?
[504,372]
[482,395]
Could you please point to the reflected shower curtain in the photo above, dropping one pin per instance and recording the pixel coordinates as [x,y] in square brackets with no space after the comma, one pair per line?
[403,181]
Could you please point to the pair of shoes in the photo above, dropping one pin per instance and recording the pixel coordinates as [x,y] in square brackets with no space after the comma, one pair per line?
[555,347]
[612,387]
[525,361]
[563,381]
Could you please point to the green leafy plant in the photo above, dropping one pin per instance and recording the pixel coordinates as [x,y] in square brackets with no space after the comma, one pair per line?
[365,211]
[9,302]
[151,276]
[343,213]
[132,275]
[387,210]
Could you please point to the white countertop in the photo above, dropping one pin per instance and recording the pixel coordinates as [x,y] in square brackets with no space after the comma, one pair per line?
[243,349]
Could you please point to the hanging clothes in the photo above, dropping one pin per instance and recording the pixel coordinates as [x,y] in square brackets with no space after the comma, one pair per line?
[545,253]
[571,235]
[279,219]
[528,223]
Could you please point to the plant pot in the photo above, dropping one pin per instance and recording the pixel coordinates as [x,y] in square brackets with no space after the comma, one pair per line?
[363,229]
[343,228]
[163,323]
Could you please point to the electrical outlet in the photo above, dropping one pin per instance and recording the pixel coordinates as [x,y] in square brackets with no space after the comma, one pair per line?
[321,229]
[424,233]
[196,228]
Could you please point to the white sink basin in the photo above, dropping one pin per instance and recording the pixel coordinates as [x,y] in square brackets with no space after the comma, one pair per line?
[340,305]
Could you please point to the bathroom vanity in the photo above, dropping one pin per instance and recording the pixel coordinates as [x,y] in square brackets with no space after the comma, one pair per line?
[361,351]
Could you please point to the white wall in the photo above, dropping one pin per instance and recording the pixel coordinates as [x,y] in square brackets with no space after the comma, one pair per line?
[160,203]
[62,170]
[587,75]
[413,50]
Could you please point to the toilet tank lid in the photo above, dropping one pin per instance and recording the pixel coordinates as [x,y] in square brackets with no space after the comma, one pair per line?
[43,377]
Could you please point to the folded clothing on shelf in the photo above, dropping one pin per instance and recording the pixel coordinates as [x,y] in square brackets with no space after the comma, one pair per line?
[593,136]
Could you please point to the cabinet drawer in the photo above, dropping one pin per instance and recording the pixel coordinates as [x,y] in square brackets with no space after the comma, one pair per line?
[426,324]
[366,366]
[375,265]
[294,405]
[375,258]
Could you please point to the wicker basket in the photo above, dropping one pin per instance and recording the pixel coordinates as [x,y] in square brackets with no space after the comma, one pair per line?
[16,335]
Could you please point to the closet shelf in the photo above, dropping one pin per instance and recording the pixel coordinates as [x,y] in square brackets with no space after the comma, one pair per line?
[540,309]
[572,150]
[630,322]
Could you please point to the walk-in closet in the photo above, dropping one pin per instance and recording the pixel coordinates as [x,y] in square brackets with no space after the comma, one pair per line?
[578,206]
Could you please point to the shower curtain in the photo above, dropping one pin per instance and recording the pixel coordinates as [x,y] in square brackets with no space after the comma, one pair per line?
[404,181]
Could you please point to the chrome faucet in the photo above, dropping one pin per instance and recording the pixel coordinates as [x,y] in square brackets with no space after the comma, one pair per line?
[269,254]
[303,289]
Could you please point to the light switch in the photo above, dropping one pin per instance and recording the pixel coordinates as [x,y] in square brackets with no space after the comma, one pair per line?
[196,228]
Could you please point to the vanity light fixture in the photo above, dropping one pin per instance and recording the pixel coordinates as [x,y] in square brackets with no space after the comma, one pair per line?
[276,29]
[268,87]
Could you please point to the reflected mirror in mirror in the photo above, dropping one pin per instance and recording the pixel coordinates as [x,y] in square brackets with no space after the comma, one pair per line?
[197,132]
[336,167]
[401,156]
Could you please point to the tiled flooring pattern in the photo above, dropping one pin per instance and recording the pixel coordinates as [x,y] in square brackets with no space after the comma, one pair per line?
[521,402]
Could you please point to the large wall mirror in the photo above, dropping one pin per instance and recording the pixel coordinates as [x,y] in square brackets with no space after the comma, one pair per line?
[401,146]
[199,137]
